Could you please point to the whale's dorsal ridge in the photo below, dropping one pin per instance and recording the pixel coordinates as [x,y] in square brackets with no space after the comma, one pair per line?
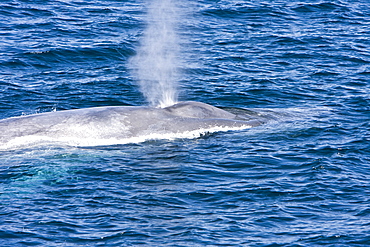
[192,109]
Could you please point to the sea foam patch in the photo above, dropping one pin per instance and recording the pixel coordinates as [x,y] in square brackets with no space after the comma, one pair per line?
[39,140]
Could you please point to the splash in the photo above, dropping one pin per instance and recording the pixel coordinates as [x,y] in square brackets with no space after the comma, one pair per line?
[155,64]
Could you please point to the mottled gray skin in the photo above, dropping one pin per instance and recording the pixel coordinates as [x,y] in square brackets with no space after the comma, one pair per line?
[120,122]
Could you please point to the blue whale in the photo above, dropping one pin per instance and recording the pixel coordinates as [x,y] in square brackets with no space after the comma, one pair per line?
[119,125]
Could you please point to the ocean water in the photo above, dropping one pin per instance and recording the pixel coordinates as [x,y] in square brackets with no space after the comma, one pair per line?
[299,180]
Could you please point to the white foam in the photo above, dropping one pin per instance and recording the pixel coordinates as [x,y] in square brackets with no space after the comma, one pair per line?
[76,141]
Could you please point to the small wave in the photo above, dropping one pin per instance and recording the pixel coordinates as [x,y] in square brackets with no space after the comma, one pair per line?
[321,7]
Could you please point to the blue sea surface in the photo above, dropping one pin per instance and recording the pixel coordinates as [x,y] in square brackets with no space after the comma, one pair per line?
[300,180]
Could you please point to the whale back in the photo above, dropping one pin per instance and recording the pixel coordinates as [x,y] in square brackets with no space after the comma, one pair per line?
[191,109]
[119,124]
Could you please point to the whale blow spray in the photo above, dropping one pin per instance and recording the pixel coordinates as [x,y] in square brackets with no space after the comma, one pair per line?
[155,64]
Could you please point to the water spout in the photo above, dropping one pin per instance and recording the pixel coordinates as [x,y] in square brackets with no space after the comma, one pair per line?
[155,64]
